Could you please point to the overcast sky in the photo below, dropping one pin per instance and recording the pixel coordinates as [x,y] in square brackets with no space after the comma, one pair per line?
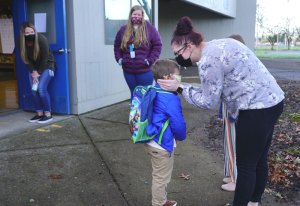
[275,11]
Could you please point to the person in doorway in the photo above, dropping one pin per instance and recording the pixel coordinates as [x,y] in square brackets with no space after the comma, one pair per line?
[36,55]
[230,170]
[137,45]
[166,107]
[230,71]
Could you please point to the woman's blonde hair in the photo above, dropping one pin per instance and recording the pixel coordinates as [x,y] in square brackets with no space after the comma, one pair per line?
[36,48]
[140,35]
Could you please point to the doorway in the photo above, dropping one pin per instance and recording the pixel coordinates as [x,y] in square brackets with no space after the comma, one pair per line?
[8,80]
[49,18]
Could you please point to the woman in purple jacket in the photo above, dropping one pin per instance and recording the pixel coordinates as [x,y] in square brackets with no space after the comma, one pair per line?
[137,46]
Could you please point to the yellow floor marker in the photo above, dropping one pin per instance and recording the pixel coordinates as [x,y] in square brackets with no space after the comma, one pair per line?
[42,130]
[56,126]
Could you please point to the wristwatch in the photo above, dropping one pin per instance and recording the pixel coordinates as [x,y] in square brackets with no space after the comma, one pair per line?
[179,90]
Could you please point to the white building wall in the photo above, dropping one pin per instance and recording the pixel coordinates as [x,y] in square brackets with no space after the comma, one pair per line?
[212,25]
[96,80]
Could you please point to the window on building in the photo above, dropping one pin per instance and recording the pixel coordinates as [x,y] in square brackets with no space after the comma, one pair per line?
[116,14]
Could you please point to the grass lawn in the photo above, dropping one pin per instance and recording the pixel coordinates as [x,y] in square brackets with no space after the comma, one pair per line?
[280,53]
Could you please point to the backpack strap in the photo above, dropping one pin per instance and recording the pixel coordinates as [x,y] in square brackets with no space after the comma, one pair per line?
[166,124]
[160,90]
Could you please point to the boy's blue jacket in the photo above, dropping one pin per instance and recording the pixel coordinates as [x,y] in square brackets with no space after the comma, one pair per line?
[166,106]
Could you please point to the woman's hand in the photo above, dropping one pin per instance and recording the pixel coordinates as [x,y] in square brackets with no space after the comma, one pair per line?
[35,75]
[169,84]
[120,61]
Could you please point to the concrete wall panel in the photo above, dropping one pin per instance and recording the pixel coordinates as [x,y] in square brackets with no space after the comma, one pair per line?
[96,77]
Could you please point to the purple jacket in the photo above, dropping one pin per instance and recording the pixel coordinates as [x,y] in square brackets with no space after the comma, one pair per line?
[149,52]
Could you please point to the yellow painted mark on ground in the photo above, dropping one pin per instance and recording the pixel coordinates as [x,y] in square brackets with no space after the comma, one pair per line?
[56,126]
[42,130]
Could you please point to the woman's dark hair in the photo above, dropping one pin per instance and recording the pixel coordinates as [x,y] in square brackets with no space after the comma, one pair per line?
[185,33]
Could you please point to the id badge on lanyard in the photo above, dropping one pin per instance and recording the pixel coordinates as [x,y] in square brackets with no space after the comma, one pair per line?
[131,50]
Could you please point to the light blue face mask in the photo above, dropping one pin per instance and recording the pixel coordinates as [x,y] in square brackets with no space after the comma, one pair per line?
[177,77]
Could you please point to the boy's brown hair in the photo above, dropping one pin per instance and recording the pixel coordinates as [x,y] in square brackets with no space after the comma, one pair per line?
[237,37]
[164,67]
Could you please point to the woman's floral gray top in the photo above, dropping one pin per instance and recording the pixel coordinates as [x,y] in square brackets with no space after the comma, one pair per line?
[230,71]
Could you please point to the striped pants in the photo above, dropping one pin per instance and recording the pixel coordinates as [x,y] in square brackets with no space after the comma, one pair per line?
[230,169]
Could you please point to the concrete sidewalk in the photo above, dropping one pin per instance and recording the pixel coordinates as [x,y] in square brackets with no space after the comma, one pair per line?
[89,160]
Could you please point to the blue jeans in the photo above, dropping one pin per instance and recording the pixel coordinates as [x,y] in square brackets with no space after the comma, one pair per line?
[134,80]
[41,97]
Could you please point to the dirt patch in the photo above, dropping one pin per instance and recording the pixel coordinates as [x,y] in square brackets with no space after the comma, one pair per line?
[284,158]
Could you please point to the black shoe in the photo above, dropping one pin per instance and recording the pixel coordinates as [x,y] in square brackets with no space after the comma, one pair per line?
[228,204]
[36,118]
[45,119]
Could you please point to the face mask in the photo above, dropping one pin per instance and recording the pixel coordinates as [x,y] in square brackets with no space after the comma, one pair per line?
[136,20]
[30,37]
[183,62]
[177,77]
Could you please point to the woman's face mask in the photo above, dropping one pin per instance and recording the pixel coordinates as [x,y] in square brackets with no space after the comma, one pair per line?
[29,34]
[184,62]
[179,58]
[136,20]
[30,37]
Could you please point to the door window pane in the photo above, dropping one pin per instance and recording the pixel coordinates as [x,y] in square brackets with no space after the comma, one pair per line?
[45,6]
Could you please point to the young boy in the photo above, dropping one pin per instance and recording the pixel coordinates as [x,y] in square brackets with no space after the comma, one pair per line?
[166,106]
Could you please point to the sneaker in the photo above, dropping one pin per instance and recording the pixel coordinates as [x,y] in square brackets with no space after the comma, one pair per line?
[45,119]
[170,203]
[230,187]
[35,118]
[252,203]
[227,180]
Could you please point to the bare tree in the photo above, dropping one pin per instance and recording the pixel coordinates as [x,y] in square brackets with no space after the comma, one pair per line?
[259,16]
[259,21]
[297,30]
[272,40]
[289,32]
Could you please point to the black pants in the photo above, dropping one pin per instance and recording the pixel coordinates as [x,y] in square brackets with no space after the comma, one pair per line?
[254,130]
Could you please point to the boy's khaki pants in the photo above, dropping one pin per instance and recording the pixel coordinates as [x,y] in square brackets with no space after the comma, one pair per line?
[162,167]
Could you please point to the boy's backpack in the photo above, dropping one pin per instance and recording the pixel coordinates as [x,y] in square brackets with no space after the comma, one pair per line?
[141,111]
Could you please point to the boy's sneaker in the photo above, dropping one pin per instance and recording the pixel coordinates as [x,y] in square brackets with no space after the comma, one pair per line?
[36,118]
[45,119]
[170,203]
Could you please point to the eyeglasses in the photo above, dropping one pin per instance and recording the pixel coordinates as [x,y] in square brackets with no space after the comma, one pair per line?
[181,49]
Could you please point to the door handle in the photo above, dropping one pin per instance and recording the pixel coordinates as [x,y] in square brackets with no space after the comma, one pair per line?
[61,50]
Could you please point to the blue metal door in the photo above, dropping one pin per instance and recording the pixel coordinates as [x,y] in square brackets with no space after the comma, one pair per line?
[56,33]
